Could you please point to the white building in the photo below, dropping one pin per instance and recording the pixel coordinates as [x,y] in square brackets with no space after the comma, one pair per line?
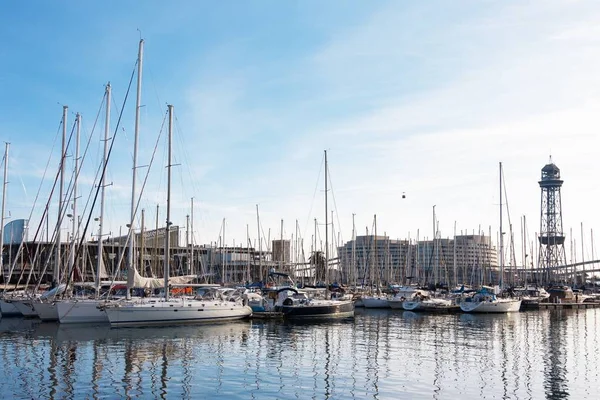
[381,260]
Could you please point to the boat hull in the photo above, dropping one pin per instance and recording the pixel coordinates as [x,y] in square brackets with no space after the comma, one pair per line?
[396,304]
[25,307]
[436,305]
[497,306]
[46,311]
[174,312]
[375,302]
[318,309]
[8,309]
[81,312]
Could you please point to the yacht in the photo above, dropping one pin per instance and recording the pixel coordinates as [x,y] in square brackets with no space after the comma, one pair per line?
[487,302]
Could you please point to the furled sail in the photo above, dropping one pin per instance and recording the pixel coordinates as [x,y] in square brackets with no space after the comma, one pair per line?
[155,283]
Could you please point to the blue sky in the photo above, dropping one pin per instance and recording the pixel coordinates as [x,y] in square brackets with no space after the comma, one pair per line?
[422,98]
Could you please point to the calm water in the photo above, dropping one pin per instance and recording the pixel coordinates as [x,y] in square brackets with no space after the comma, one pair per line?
[379,355]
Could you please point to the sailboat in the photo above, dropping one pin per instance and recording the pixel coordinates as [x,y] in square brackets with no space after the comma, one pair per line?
[296,304]
[486,301]
[25,301]
[7,308]
[179,310]
[85,310]
[376,299]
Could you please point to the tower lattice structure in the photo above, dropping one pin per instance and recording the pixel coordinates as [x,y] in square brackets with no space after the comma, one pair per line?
[552,259]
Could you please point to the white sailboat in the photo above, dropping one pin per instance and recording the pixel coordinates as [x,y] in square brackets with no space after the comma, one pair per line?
[7,308]
[45,305]
[485,301]
[24,303]
[376,299]
[85,310]
[180,310]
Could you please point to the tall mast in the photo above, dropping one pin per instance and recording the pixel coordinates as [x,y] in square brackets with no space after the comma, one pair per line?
[354,272]
[168,233]
[130,259]
[75,179]
[155,260]
[582,256]
[326,230]
[524,250]
[501,235]
[187,240]
[433,248]
[260,269]
[454,257]
[7,145]
[247,253]
[61,196]
[192,238]
[223,256]
[102,188]
[142,242]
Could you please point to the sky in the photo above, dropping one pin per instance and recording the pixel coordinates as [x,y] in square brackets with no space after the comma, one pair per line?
[415,102]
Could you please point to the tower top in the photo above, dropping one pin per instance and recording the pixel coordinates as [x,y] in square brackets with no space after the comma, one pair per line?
[550,176]
[551,171]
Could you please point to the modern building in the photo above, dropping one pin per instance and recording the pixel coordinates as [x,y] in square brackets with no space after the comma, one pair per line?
[381,260]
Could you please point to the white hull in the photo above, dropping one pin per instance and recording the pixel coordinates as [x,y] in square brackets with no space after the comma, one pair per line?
[431,305]
[25,307]
[9,309]
[150,312]
[495,306]
[375,302]
[46,311]
[396,304]
[84,311]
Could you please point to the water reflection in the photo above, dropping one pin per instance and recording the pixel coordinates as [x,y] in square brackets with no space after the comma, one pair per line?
[381,354]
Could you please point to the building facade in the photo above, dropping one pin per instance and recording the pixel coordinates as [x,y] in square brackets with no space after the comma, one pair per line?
[380,260]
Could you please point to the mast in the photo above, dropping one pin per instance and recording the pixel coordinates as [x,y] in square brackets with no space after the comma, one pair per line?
[192,237]
[314,259]
[155,258]
[375,254]
[354,273]
[454,257]
[223,256]
[326,227]
[7,145]
[74,215]
[130,258]
[60,197]
[524,251]
[582,256]
[433,252]
[142,242]
[416,277]
[168,233]
[501,235]
[260,269]
[187,241]
[102,187]
[248,253]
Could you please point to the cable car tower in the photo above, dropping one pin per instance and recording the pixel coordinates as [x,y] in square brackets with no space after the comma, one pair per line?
[552,238]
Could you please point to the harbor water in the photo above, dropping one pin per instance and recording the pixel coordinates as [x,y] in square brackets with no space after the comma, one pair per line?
[380,354]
